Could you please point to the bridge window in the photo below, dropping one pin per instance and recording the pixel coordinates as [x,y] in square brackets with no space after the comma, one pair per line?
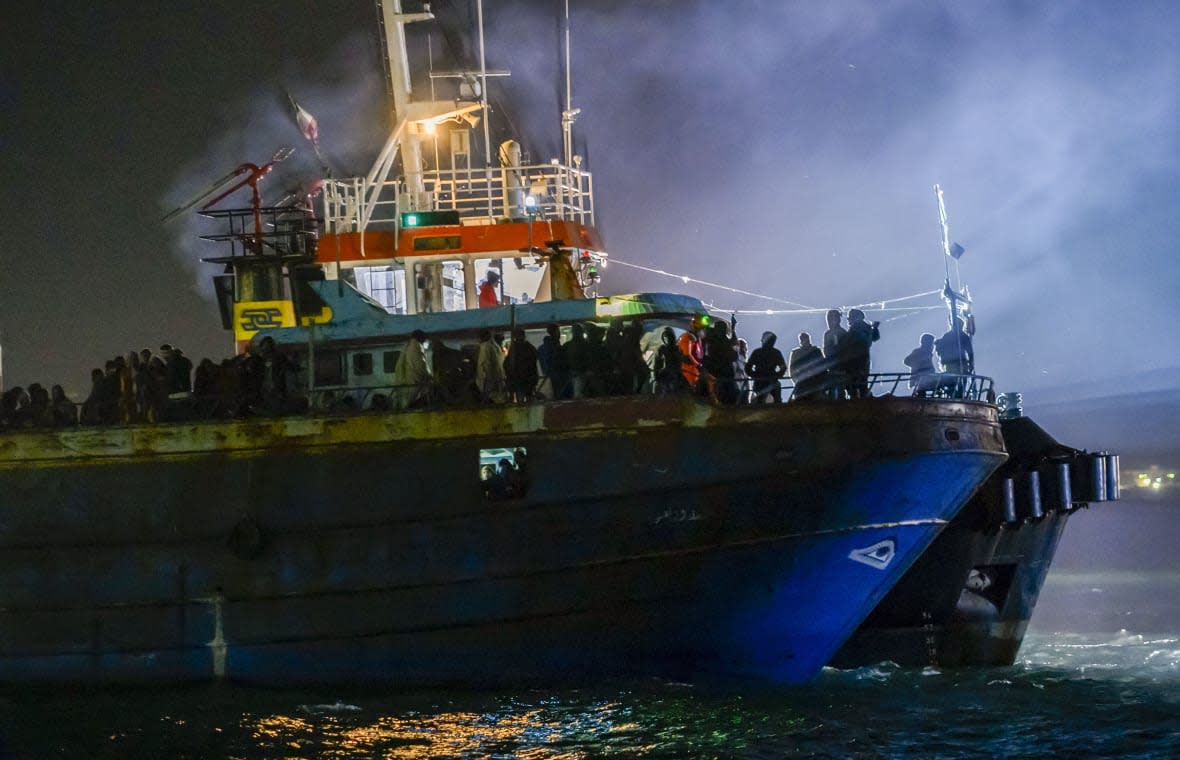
[385,284]
[440,286]
[438,243]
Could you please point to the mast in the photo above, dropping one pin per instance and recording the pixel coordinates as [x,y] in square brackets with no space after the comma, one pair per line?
[946,239]
[414,120]
[404,139]
[570,113]
[957,298]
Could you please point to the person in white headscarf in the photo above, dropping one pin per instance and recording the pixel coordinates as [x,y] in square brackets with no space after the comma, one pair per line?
[489,369]
[411,374]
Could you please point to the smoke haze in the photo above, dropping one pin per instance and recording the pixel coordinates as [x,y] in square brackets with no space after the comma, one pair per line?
[784,148]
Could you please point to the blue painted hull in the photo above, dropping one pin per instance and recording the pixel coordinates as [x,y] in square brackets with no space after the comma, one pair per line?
[675,540]
[934,615]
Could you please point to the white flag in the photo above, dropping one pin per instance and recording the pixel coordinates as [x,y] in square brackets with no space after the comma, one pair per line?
[306,122]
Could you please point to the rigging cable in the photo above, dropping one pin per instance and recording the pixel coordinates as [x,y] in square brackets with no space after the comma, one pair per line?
[880,304]
[686,280]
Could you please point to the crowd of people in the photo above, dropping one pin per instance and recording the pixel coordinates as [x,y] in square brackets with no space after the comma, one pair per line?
[147,386]
[131,388]
[708,359]
[35,407]
[595,361]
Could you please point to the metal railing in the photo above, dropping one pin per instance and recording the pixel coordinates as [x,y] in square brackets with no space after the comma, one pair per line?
[346,400]
[938,385]
[479,195]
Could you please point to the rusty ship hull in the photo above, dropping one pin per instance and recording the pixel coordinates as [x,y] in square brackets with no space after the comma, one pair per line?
[658,536]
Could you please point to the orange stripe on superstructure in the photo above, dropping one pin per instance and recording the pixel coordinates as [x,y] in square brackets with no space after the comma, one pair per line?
[346,246]
[504,238]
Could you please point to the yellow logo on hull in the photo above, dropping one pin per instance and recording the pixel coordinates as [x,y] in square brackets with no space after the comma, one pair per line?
[252,316]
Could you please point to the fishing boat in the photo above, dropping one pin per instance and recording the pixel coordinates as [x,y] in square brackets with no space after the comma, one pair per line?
[968,600]
[346,526]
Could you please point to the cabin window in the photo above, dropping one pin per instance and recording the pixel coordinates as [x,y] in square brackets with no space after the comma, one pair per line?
[389,361]
[385,284]
[520,277]
[503,473]
[329,367]
[440,286]
[362,364]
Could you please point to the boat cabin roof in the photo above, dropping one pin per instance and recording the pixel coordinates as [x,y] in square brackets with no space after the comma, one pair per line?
[354,319]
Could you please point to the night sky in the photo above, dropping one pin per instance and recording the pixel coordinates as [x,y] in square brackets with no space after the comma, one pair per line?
[783,148]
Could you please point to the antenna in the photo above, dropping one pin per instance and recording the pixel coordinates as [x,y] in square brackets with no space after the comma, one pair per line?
[483,102]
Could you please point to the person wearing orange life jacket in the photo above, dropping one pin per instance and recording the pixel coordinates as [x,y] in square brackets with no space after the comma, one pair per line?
[693,350]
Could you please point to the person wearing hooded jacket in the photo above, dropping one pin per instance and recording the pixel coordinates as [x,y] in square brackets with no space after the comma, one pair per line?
[489,369]
[766,367]
[855,352]
[668,363]
[923,366]
[805,367]
[488,295]
[411,374]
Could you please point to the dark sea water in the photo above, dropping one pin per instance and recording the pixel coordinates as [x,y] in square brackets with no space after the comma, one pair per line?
[1098,676]
[1071,695]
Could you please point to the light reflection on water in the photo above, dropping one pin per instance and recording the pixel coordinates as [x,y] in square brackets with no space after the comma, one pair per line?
[1094,694]
[509,727]
[1073,694]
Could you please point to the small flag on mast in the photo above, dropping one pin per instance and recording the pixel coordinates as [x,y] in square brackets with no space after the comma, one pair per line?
[310,129]
[956,251]
[307,123]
